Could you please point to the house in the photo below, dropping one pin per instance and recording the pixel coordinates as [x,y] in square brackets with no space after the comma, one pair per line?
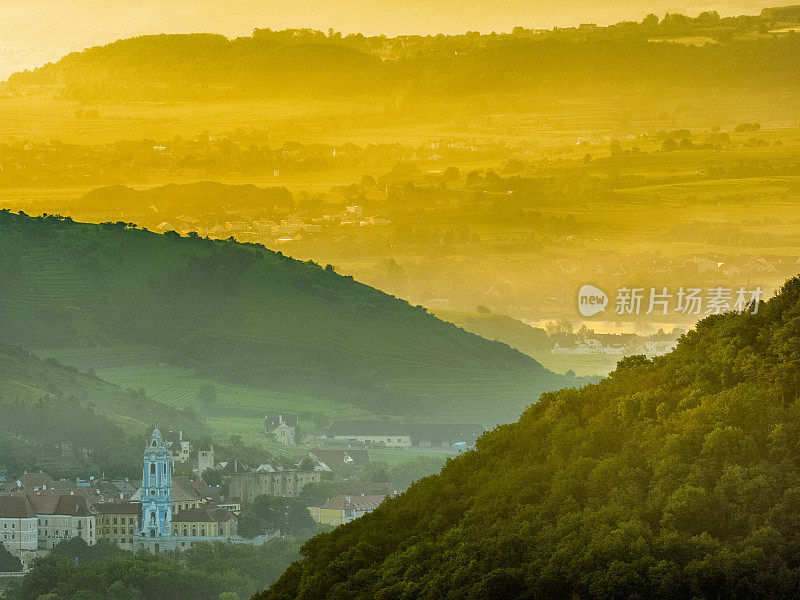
[19,527]
[343,509]
[115,490]
[330,459]
[436,435]
[185,495]
[394,435]
[118,522]
[29,482]
[179,448]
[62,517]
[404,435]
[204,522]
[282,427]
[234,505]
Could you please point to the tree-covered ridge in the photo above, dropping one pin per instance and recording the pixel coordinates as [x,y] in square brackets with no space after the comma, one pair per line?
[731,51]
[242,313]
[673,478]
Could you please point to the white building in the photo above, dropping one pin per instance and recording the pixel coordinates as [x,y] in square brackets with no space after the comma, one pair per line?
[62,517]
[18,527]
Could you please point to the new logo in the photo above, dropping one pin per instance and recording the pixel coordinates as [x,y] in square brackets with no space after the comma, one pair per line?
[591,300]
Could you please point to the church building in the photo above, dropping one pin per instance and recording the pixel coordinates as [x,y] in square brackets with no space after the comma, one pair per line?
[160,530]
[156,488]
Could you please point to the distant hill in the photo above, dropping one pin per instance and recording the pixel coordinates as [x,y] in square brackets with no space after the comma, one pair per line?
[673,478]
[241,313]
[71,423]
[519,335]
[214,201]
[197,66]
[707,51]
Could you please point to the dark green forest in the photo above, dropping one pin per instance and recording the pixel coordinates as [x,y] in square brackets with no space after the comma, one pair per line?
[272,64]
[242,313]
[75,571]
[676,477]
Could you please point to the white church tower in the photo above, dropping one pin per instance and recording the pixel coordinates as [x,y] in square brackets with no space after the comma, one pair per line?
[156,488]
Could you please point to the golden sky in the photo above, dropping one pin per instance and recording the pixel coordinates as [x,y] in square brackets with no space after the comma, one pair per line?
[35,31]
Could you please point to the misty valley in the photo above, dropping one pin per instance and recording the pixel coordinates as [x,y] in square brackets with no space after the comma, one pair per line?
[307,315]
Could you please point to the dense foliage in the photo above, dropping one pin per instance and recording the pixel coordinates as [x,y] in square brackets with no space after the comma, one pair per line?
[676,477]
[8,562]
[242,313]
[75,571]
[266,514]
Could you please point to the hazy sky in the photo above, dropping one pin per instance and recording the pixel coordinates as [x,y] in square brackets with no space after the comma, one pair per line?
[35,31]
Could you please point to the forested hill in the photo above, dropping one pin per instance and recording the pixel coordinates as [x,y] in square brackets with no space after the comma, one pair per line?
[69,423]
[673,478]
[701,51]
[241,313]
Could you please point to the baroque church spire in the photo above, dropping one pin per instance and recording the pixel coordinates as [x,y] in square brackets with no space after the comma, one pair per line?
[156,488]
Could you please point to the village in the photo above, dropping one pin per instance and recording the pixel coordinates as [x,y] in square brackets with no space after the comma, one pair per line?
[169,512]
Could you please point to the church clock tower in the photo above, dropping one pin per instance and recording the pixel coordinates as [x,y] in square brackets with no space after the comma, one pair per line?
[156,488]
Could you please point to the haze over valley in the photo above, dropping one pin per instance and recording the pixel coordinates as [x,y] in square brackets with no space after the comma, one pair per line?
[383,300]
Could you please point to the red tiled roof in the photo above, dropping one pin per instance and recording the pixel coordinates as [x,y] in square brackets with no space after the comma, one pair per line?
[16,507]
[35,480]
[184,490]
[65,504]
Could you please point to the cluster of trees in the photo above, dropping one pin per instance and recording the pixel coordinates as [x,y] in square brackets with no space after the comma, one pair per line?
[269,513]
[200,66]
[8,562]
[676,477]
[75,571]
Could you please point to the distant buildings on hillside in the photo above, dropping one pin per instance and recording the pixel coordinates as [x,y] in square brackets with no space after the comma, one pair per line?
[404,435]
[281,427]
[165,512]
[343,509]
[270,480]
[593,346]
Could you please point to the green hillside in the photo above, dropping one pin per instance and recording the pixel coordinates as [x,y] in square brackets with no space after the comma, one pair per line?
[673,478]
[241,314]
[70,423]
